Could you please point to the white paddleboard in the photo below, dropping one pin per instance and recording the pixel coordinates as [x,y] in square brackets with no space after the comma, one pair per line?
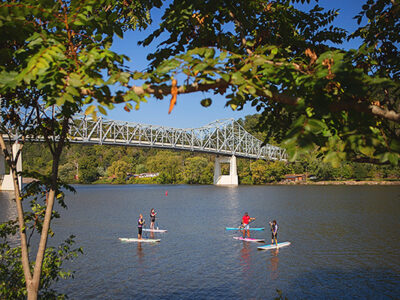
[274,246]
[142,240]
[248,239]
[154,230]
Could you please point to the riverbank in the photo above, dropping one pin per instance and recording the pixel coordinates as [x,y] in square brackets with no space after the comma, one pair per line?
[344,182]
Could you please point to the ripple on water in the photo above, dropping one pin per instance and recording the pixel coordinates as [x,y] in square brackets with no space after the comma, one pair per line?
[344,243]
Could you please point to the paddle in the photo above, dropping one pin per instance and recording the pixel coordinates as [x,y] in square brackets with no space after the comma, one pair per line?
[241,227]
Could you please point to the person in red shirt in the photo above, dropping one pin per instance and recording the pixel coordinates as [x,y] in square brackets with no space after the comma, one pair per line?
[245,224]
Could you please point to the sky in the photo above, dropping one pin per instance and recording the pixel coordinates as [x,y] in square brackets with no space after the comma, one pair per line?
[188,112]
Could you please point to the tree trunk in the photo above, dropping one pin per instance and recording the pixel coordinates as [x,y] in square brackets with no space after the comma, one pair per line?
[20,211]
[46,223]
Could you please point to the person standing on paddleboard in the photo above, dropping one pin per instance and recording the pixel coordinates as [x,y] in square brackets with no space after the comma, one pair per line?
[152,218]
[245,224]
[274,232]
[140,223]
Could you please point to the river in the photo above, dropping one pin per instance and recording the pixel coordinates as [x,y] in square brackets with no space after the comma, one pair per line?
[345,242]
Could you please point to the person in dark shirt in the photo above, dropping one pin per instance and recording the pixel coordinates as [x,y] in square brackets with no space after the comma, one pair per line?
[152,218]
[140,226]
[274,232]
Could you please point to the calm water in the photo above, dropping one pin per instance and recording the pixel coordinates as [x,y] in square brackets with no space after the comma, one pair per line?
[345,242]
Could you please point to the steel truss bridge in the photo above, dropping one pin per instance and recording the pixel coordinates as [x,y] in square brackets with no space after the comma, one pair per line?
[225,138]
[222,137]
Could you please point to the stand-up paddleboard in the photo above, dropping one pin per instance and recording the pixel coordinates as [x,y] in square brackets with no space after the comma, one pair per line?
[273,246]
[234,228]
[142,240]
[248,239]
[154,230]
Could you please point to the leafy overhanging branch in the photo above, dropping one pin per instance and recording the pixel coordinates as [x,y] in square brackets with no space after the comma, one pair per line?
[159,91]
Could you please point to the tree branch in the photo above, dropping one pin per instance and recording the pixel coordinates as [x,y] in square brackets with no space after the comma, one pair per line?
[159,91]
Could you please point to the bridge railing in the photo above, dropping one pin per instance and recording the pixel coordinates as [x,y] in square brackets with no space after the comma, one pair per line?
[224,137]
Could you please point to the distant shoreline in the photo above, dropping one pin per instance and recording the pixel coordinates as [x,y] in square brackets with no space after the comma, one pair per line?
[340,182]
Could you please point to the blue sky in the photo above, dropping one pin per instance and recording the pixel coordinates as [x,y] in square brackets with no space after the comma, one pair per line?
[188,112]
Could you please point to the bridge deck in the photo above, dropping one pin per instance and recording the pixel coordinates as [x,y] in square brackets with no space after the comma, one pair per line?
[223,137]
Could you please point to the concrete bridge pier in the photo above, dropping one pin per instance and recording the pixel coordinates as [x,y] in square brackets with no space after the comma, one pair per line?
[6,181]
[232,178]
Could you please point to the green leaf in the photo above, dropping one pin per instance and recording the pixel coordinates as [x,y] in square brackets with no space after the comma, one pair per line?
[168,66]
[237,78]
[367,151]
[209,53]
[73,91]
[223,55]
[206,102]
[102,110]
[200,67]
[75,80]
[393,158]
[332,158]
[90,109]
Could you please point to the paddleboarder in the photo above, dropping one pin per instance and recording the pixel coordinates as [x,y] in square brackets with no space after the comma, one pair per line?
[152,218]
[274,232]
[245,224]
[140,226]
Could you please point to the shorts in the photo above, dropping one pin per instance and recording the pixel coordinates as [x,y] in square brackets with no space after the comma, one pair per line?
[140,230]
[274,236]
[246,227]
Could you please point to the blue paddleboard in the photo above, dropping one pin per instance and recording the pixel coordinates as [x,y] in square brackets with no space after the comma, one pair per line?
[234,228]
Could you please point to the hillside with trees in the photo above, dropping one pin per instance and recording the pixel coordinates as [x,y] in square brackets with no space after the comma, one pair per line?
[118,164]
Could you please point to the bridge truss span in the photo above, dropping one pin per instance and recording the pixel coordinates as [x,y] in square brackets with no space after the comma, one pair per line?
[222,137]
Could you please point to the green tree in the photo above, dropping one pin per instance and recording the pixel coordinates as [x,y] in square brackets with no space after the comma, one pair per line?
[268,54]
[56,54]
[68,172]
[118,170]
[276,170]
[197,170]
[141,168]
[168,164]
[88,172]
[259,172]
[244,171]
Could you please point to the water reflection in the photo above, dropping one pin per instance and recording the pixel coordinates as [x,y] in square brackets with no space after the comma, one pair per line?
[273,264]
[245,253]
[8,209]
[139,252]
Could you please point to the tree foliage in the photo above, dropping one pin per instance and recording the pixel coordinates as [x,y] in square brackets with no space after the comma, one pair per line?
[55,62]
[285,61]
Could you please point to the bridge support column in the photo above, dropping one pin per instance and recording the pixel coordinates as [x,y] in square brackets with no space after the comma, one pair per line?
[6,181]
[232,178]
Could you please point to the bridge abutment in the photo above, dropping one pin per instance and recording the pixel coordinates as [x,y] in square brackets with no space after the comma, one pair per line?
[232,178]
[6,180]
